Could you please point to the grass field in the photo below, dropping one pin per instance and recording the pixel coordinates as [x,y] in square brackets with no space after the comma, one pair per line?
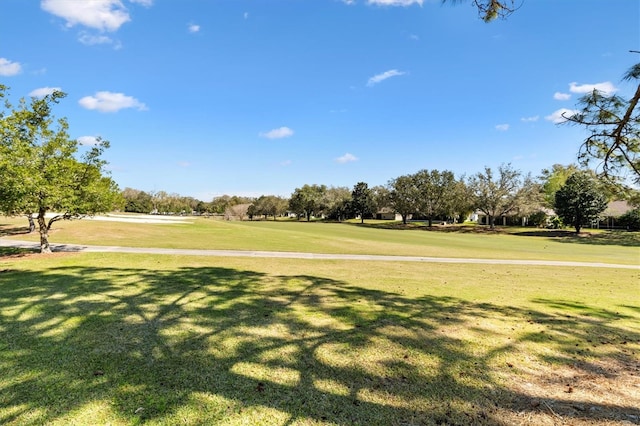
[107,338]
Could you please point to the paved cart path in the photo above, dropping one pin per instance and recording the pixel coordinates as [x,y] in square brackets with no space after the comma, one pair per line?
[298,255]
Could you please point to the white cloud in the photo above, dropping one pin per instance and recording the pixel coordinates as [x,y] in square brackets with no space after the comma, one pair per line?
[383,76]
[87,140]
[561,96]
[607,88]
[103,15]
[559,115]
[347,158]
[279,133]
[502,127]
[395,2]
[111,102]
[193,28]
[90,39]
[43,91]
[146,3]
[8,68]
[530,119]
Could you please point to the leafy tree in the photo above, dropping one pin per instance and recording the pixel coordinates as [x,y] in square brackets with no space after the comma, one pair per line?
[338,202]
[553,179]
[268,205]
[614,124]
[380,195]
[498,195]
[40,171]
[137,201]
[631,219]
[461,201]
[362,200]
[404,196]
[308,201]
[580,201]
[436,191]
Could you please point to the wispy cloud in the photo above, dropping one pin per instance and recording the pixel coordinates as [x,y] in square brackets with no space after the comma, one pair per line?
[9,68]
[560,116]
[246,15]
[92,39]
[43,91]
[87,140]
[502,127]
[111,102]
[607,88]
[194,28]
[184,164]
[558,96]
[383,76]
[395,2]
[346,158]
[279,133]
[531,119]
[286,163]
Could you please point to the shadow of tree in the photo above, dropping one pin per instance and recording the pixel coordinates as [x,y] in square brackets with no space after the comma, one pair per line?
[609,238]
[219,344]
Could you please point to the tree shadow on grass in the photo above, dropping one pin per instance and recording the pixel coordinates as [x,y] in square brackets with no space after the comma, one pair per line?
[211,344]
[608,238]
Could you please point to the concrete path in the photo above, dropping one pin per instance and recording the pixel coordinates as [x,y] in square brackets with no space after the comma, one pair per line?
[298,255]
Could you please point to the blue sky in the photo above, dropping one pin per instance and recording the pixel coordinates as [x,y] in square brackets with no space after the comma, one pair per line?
[252,97]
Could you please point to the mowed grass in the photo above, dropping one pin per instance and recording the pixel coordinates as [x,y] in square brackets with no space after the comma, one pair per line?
[120,339]
[90,338]
[199,233]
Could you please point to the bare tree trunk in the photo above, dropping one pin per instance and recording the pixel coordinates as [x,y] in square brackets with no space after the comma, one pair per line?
[492,222]
[44,233]
[32,224]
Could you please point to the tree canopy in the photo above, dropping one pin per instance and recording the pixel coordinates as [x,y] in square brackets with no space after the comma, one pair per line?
[614,124]
[41,170]
[580,201]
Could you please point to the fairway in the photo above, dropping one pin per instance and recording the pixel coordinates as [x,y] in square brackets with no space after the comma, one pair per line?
[120,339]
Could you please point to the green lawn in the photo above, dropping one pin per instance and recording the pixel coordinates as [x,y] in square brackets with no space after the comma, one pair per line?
[605,247]
[108,338]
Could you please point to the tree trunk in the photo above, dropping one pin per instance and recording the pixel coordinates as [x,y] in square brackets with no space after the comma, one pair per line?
[430,221]
[362,219]
[492,222]
[404,219]
[44,233]
[32,224]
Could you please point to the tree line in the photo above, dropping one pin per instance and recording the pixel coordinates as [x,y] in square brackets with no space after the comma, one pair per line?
[43,170]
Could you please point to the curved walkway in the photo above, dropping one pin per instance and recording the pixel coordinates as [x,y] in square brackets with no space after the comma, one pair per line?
[300,255]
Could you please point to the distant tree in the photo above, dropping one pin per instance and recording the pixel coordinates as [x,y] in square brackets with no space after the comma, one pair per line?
[268,205]
[362,200]
[309,200]
[579,201]
[380,195]
[614,124]
[338,203]
[404,196]
[137,201]
[41,170]
[498,195]
[631,220]
[553,179]
[461,201]
[436,190]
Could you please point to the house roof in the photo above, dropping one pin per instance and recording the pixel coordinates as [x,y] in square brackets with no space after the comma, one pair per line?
[617,208]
